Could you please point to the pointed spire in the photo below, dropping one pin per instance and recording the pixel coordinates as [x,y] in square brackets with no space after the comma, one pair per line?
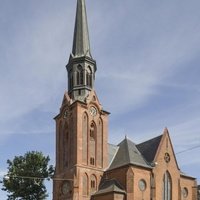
[81,66]
[81,43]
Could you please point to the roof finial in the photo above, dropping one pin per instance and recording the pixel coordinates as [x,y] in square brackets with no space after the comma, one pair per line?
[166,130]
[81,43]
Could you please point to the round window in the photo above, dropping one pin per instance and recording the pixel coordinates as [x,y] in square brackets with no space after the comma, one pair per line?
[142,185]
[185,192]
[167,158]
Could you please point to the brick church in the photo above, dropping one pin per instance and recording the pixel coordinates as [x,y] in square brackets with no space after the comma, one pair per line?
[87,166]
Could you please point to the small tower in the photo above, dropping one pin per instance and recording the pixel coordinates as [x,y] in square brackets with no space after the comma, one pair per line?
[81,125]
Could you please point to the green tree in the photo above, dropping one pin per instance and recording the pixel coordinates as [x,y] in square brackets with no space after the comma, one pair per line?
[26,176]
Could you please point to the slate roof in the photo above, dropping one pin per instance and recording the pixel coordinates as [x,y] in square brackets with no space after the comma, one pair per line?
[128,154]
[112,150]
[109,186]
[81,43]
[149,148]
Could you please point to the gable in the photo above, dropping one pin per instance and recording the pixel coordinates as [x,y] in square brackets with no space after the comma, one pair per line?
[165,152]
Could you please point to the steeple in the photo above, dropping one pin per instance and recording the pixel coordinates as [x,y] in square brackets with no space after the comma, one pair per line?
[81,43]
[81,66]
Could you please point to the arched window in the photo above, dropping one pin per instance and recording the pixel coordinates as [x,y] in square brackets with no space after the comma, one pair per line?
[92,131]
[66,145]
[66,150]
[85,185]
[89,77]
[77,78]
[84,138]
[93,183]
[92,161]
[167,187]
[99,145]
[92,143]
[79,75]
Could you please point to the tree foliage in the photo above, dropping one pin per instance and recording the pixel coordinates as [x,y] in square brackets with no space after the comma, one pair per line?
[26,176]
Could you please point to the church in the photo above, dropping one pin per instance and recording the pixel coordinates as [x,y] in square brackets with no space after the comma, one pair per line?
[87,166]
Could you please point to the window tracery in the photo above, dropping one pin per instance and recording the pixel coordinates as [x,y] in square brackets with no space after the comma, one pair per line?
[167,187]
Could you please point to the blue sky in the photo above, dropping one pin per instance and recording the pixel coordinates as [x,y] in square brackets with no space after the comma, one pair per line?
[148,63]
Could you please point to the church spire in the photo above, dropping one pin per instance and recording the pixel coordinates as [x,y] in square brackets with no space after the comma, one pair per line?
[81,43]
[81,66]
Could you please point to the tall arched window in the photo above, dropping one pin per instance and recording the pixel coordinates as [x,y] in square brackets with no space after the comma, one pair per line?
[77,78]
[85,185]
[66,146]
[79,75]
[93,183]
[92,131]
[89,77]
[167,187]
[84,138]
[92,143]
[99,146]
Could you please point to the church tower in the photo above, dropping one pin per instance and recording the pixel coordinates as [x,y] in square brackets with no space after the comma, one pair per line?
[81,125]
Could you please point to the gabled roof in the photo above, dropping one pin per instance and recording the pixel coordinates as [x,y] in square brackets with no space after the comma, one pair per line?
[149,148]
[110,186]
[128,154]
